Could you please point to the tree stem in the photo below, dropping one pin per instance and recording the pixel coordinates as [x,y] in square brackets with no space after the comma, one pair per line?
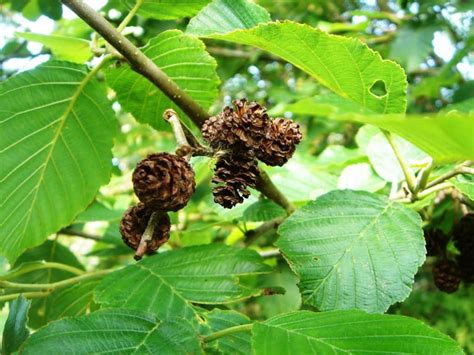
[253,234]
[35,294]
[147,68]
[409,176]
[55,285]
[138,61]
[227,331]
[266,186]
[460,169]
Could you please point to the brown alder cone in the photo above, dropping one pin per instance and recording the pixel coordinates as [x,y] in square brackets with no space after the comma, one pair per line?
[280,142]
[134,223]
[463,236]
[436,242]
[241,127]
[446,276]
[164,182]
[234,172]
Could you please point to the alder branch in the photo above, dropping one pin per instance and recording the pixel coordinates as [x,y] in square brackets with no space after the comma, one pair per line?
[147,68]
[138,61]
[253,234]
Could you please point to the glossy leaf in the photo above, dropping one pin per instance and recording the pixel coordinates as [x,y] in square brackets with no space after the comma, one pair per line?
[344,65]
[348,332]
[72,49]
[15,331]
[183,58]
[115,331]
[58,129]
[384,161]
[166,9]
[169,283]
[263,210]
[445,137]
[360,177]
[353,249]
[222,16]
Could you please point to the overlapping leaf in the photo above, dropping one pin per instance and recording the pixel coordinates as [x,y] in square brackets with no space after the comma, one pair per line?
[344,65]
[115,331]
[348,332]
[168,284]
[445,137]
[238,343]
[222,16]
[353,249]
[165,9]
[184,59]
[72,49]
[57,131]
[16,331]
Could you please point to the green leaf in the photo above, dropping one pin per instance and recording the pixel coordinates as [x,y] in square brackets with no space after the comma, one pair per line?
[222,16]
[360,177]
[70,301]
[307,184]
[50,251]
[344,65]
[99,212]
[385,162]
[348,332]
[412,45]
[237,343]
[465,184]
[72,49]
[353,249]
[166,9]
[183,58]
[15,331]
[324,106]
[338,156]
[56,151]
[263,210]
[445,137]
[51,8]
[115,331]
[169,283]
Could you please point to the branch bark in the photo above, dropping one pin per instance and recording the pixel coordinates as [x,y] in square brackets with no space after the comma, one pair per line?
[145,66]
[139,61]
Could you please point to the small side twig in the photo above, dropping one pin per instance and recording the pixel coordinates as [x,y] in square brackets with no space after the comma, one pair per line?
[147,235]
[464,168]
[253,234]
[266,186]
[74,233]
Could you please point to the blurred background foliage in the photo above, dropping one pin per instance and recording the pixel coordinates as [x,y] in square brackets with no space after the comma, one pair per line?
[432,39]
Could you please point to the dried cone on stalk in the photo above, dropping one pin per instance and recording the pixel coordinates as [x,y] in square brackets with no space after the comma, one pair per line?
[436,242]
[164,182]
[463,236]
[234,172]
[446,276]
[280,142]
[241,128]
[134,223]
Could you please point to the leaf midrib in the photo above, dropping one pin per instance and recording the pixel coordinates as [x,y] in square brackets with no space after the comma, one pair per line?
[57,135]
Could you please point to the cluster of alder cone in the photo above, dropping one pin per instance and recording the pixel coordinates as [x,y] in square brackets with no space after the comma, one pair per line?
[448,272]
[164,182]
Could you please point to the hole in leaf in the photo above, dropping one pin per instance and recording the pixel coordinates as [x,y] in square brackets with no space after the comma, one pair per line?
[378,88]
